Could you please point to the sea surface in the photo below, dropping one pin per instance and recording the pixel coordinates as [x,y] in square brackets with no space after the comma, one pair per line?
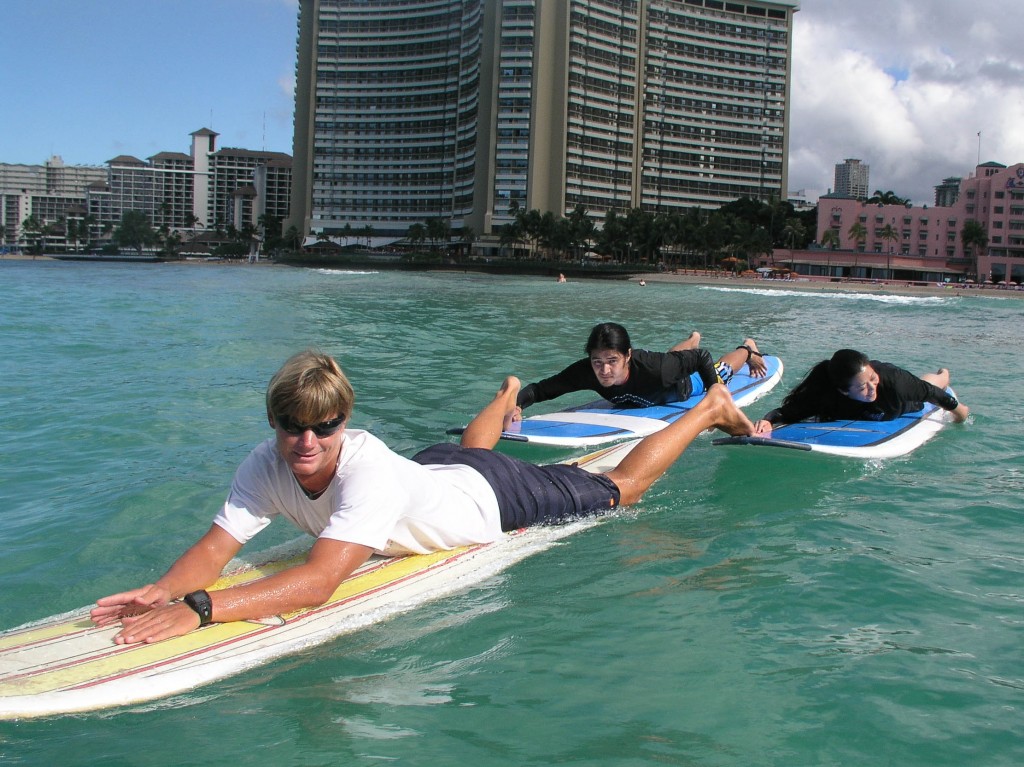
[759,607]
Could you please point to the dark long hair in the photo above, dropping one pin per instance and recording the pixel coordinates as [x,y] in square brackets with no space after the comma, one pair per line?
[827,381]
[608,335]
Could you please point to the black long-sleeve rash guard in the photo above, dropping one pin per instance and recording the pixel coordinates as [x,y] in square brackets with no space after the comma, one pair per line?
[654,378]
[899,392]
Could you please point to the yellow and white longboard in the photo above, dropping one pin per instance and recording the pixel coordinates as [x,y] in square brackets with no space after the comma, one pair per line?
[64,664]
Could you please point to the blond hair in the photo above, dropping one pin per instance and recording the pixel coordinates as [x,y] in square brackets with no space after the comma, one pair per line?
[310,387]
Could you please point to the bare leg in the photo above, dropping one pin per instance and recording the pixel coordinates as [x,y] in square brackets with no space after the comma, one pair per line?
[692,341]
[939,378]
[655,453]
[485,429]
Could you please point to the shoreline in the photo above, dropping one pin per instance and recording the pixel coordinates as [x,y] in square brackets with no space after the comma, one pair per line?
[896,288]
[695,277]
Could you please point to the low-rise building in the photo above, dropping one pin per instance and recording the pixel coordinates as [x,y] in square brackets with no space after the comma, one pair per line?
[206,189]
[45,193]
[990,202]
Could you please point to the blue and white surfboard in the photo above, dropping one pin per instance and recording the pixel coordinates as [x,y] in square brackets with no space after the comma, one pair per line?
[855,439]
[600,422]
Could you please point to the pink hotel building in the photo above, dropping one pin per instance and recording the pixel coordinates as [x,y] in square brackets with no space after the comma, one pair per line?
[928,245]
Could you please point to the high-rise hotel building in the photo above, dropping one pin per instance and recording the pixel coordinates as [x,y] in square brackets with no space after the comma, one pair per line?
[408,110]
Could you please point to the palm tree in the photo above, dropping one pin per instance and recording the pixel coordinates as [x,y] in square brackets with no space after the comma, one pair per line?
[467,236]
[293,237]
[135,231]
[531,223]
[793,231]
[416,234]
[32,233]
[831,240]
[858,233]
[438,230]
[886,198]
[888,234]
[975,239]
[509,235]
[581,230]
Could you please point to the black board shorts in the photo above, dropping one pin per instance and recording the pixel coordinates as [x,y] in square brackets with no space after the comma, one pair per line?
[529,494]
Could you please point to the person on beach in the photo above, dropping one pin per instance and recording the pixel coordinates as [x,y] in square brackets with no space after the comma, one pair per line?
[349,490]
[850,386]
[637,377]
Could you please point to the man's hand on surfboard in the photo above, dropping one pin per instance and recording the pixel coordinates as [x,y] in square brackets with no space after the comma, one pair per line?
[127,604]
[162,622]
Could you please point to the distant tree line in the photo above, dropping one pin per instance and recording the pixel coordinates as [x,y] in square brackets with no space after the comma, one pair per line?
[732,235]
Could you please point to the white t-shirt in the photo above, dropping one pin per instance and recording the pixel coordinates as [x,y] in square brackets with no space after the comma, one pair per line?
[377,499]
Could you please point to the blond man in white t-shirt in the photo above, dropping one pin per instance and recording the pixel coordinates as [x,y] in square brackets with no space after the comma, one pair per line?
[355,496]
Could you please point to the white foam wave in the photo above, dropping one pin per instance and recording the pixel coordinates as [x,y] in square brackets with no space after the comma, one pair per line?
[343,271]
[839,296]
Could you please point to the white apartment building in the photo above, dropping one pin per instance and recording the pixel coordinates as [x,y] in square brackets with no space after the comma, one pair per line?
[467,109]
[49,192]
[207,189]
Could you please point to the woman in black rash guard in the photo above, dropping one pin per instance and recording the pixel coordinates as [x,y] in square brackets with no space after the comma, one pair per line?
[639,378]
[850,386]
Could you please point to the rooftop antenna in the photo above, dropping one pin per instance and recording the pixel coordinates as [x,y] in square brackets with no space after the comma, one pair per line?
[264,131]
[979,148]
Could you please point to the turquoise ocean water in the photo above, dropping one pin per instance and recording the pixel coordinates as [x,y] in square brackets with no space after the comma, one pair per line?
[759,607]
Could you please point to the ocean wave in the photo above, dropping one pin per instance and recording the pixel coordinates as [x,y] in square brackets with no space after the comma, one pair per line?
[343,271]
[878,297]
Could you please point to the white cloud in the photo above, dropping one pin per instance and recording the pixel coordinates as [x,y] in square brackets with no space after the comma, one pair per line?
[905,86]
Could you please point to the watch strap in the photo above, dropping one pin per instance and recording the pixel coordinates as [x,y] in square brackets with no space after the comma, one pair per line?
[202,604]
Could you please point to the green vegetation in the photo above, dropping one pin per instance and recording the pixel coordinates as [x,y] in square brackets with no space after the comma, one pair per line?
[731,236]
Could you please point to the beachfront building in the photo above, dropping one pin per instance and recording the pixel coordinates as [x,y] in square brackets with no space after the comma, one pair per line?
[851,179]
[471,110]
[245,185]
[882,241]
[208,189]
[47,193]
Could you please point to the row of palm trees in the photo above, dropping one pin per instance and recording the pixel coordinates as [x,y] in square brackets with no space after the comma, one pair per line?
[741,231]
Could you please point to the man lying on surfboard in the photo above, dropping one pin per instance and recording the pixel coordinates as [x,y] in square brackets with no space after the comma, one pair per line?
[849,386]
[637,377]
[357,497]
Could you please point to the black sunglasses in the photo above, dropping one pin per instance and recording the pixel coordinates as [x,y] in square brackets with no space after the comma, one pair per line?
[322,429]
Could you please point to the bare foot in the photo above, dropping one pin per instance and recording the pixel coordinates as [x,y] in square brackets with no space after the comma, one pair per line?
[692,341]
[727,416]
[508,392]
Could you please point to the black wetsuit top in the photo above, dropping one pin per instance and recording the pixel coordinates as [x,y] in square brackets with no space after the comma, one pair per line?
[654,378]
[899,392]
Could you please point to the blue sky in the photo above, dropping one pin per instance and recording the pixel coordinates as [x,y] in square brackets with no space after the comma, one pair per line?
[92,79]
[903,85]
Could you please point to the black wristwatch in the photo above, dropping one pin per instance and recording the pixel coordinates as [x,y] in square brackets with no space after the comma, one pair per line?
[200,602]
